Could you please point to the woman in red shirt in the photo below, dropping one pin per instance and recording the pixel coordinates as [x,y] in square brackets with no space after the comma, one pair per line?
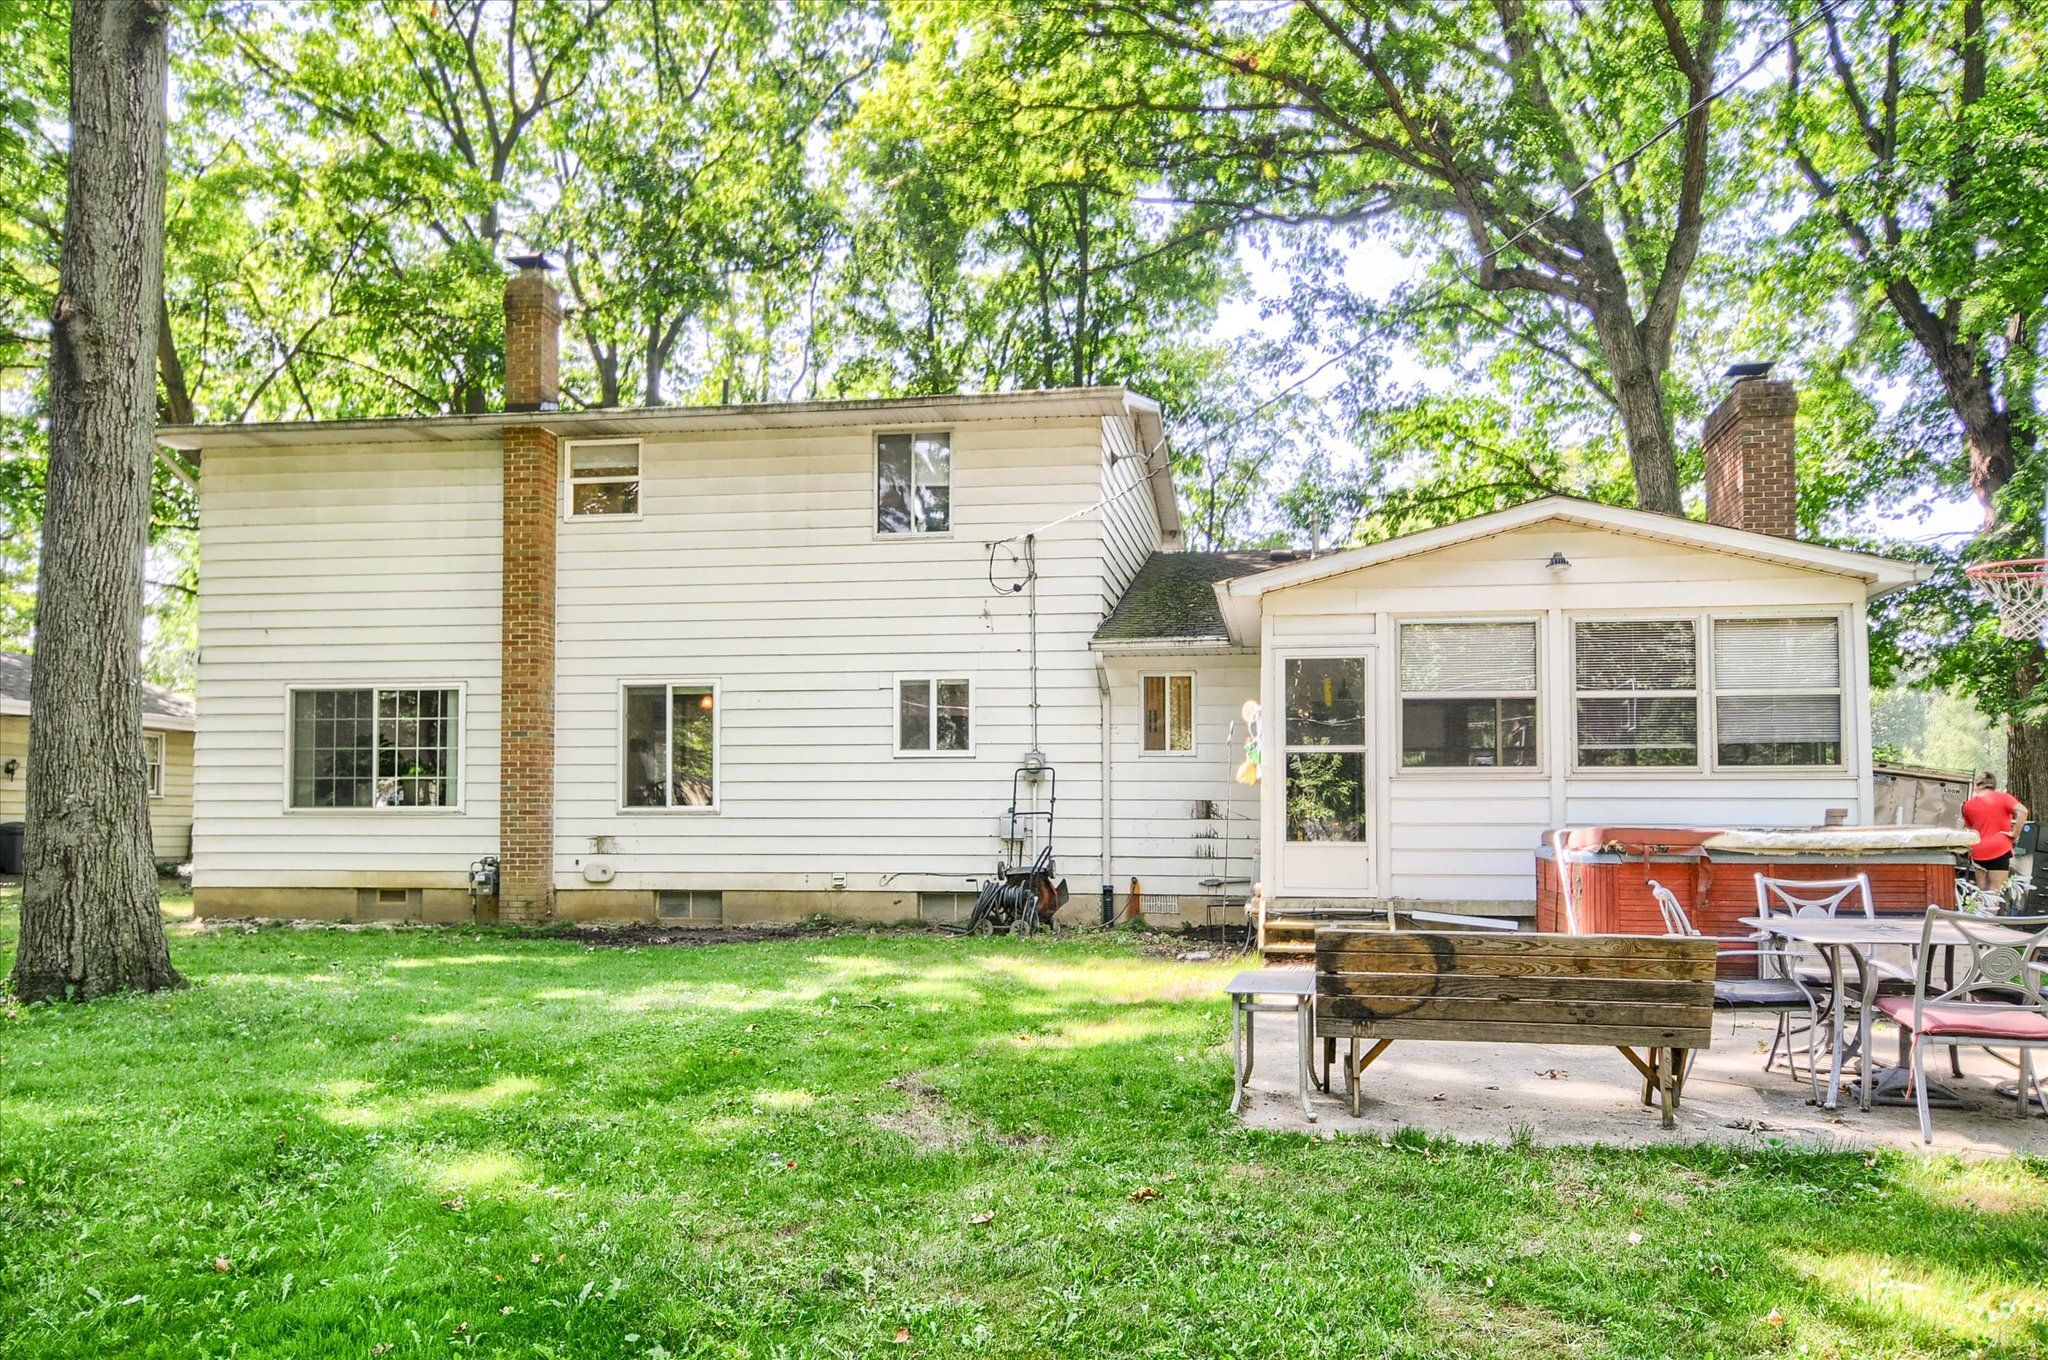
[1996,817]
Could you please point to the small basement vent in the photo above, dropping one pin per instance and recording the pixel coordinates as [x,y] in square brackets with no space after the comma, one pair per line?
[387,902]
[690,904]
[945,908]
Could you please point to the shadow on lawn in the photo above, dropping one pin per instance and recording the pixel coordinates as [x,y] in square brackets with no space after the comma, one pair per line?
[1015,1147]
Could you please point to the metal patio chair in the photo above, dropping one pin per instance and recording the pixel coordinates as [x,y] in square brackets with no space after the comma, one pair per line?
[1774,988]
[1829,897]
[1994,1000]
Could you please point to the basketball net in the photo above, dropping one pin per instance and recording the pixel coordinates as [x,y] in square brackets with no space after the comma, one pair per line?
[2017,588]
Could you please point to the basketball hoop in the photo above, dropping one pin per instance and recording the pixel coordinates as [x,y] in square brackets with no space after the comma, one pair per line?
[2017,588]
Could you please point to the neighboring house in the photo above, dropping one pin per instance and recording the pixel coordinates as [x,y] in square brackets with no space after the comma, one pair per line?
[753,662]
[167,725]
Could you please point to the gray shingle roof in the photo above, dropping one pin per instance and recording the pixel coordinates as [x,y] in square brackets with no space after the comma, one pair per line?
[157,702]
[1170,599]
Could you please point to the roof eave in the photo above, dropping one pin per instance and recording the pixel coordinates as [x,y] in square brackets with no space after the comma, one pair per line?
[1145,415]
[1212,644]
[1882,575]
[1070,401]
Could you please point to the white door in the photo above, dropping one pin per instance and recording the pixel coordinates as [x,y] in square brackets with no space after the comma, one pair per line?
[1325,808]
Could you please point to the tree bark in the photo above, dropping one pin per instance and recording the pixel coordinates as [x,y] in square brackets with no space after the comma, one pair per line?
[90,922]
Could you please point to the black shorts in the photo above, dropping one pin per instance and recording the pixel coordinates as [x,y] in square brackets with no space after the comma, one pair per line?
[2004,861]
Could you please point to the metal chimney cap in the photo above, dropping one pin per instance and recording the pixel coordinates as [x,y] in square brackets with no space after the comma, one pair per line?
[1741,372]
[531,263]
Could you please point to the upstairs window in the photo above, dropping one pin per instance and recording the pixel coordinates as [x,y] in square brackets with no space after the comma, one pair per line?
[1169,713]
[914,483]
[153,749]
[375,748]
[1468,695]
[604,478]
[932,716]
[1778,692]
[671,755]
[1637,692]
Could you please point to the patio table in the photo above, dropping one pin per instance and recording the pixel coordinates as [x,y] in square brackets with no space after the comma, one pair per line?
[1858,937]
[1295,990]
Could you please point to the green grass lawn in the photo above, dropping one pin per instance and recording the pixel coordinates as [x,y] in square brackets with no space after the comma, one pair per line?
[400,1143]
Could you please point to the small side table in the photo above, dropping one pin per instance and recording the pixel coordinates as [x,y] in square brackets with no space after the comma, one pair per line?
[1268,991]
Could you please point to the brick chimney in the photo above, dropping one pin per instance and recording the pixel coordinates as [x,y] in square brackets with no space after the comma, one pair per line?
[1748,446]
[526,656]
[533,337]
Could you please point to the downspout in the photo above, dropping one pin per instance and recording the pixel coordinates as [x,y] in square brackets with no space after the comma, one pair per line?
[1031,578]
[1108,783]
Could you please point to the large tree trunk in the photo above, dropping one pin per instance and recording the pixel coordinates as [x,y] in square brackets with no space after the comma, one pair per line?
[1639,391]
[90,923]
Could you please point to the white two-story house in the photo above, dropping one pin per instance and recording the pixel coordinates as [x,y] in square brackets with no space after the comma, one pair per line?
[756,662]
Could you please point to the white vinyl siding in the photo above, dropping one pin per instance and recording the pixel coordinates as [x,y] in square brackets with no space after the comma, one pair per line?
[1468,695]
[756,561]
[342,566]
[1184,828]
[1777,692]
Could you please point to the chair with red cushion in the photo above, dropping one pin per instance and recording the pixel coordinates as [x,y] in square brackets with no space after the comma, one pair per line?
[1992,999]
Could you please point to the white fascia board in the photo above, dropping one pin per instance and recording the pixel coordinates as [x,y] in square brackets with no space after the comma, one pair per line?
[1881,574]
[659,420]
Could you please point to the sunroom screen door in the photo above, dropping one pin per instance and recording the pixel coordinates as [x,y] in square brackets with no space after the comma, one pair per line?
[1325,792]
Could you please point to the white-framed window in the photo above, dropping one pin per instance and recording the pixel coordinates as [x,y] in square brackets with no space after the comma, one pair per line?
[601,478]
[154,747]
[914,482]
[933,715]
[385,747]
[1777,692]
[1636,693]
[1169,713]
[1468,695]
[668,756]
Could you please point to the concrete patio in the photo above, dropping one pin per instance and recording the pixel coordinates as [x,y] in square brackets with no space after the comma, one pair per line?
[1569,1095]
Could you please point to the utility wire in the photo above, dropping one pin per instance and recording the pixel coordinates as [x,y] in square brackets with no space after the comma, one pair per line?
[1467,273]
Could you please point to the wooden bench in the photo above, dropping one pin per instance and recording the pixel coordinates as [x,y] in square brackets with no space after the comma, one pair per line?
[1653,992]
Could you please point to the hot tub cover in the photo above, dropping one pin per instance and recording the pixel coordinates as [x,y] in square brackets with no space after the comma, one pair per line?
[1841,840]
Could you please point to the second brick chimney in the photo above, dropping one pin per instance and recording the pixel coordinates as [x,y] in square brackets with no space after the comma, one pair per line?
[533,337]
[1747,443]
[526,657]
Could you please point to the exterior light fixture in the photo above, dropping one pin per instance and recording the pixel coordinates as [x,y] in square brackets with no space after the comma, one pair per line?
[10,768]
[1557,564]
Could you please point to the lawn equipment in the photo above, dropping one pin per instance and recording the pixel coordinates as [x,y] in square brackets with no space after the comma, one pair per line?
[1018,900]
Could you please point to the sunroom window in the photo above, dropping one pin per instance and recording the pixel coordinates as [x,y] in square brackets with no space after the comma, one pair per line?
[1468,695]
[375,748]
[1778,692]
[1637,692]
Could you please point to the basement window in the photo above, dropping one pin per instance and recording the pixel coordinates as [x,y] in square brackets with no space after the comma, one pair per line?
[671,746]
[1170,713]
[914,483]
[387,748]
[603,478]
[932,716]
